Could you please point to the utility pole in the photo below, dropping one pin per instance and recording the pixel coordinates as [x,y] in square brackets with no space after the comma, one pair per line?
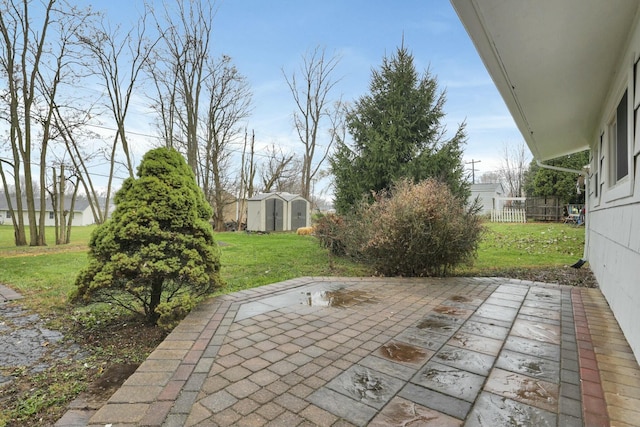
[473,169]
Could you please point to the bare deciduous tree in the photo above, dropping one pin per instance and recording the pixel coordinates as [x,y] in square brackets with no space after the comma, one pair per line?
[280,171]
[247,175]
[35,59]
[63,217]
[118,60]
[311,91]
[201,99]
[180,71]
[229,102]
[72,132]
[514,166]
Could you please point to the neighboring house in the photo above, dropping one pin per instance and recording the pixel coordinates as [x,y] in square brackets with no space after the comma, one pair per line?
[277,212]
[82,214]
[569,72]
[487,195]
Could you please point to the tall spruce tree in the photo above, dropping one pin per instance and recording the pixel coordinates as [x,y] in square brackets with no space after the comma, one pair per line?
[397,133]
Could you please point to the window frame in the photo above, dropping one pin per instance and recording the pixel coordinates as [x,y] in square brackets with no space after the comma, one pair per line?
[619,142]
[613,186]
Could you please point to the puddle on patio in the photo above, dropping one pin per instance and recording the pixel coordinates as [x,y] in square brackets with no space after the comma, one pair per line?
[340,297]
[463,301]
[452,311]
[401,352]
[439,323]
[426,338]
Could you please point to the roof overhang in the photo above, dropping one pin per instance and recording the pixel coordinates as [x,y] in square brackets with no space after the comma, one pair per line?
[553,62]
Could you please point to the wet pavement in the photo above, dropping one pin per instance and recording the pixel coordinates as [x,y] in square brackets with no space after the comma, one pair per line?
[386,352]
[25,342]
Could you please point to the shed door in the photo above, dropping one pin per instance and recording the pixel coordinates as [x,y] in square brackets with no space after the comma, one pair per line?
[274,217]
[298,214]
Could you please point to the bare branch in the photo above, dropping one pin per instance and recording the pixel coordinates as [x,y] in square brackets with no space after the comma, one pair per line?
[310,94]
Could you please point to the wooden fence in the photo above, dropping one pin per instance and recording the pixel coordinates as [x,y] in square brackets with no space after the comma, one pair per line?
[508,215]
[544,208]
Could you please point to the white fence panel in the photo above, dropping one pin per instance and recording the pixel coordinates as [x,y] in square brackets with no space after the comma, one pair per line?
[509,215]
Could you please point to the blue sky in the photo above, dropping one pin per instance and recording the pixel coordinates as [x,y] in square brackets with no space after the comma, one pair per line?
[266,37]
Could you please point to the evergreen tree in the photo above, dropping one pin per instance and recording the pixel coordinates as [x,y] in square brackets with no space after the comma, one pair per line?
[397,133]
[541,182]
[158,245]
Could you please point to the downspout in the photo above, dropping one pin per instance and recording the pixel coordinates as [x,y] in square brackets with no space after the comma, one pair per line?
[586,201]
[561,169]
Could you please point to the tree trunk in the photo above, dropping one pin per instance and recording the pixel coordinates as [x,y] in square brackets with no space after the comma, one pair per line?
[71,209]
[18,226]
[154,301]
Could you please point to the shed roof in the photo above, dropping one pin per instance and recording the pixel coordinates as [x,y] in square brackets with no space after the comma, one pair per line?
[493,187]
[282,194]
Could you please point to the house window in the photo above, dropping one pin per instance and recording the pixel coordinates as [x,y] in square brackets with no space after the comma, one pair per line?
[619,143]
[8,214]
[51,215]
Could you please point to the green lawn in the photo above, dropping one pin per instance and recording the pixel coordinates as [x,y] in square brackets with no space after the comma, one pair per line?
[531,245]
[250,260]
[46,275]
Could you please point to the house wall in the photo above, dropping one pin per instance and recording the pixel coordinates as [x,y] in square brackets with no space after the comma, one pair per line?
[486,200]
[79,218]
[613,208]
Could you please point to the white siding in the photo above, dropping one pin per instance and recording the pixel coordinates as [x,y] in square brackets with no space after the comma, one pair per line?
[613,218]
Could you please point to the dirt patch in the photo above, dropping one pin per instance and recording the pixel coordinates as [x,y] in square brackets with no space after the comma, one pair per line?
[580,277]
[105,385]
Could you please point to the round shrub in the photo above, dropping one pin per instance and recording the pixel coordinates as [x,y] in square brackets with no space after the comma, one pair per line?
[417,230]
[157,245]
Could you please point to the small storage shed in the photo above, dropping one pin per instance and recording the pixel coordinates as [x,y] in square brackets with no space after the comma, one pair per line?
[277,212]
[487,194]
[298,211]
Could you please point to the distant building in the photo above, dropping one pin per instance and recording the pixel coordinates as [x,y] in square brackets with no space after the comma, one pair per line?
[487,195]
[82,214]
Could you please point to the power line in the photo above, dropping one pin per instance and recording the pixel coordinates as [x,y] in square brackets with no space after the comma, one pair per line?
[473,169]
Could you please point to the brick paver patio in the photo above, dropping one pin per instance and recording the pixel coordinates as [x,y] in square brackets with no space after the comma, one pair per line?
[384,352]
